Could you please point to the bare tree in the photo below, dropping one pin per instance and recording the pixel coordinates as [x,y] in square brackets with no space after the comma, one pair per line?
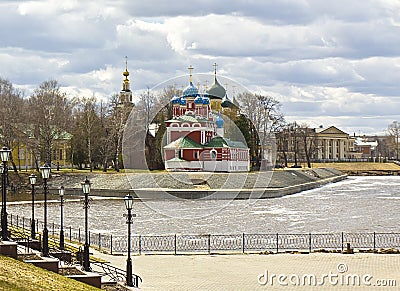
[394,132]
[308,138]
[86,129]
[266,119]
[11,108]
[50,116]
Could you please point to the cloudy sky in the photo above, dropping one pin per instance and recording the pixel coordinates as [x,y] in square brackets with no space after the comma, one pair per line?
[328,62]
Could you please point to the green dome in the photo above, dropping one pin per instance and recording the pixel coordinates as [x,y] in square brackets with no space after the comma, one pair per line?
[216,91]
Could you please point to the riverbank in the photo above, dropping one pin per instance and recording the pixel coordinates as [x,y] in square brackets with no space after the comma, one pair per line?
[196,185]
[363,168]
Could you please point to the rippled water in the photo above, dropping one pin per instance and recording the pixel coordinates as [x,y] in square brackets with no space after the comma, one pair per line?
[358,204]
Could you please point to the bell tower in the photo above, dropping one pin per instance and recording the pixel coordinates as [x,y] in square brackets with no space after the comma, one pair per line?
[125,95]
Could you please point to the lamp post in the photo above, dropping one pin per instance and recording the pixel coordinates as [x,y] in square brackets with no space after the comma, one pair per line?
[32,180]
[86,191]
[61,191]
[129,204]
[45,175]
[4,155]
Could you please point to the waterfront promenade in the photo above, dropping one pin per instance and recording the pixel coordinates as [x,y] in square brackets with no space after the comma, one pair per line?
[248,272]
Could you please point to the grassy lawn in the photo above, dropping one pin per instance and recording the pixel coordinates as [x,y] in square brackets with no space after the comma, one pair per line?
[359,166]
[16,275]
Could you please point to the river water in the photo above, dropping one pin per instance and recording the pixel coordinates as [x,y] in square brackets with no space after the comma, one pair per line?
[358,204]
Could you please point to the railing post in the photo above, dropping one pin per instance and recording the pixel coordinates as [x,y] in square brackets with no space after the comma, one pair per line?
[175,244]
[209,244]
[89,237]
[70,234]
[17,220]
[310,242]
[374,241]
[79,234]
[342,241]
[11,219]
[111,244]
[53,229]
[277,243]
[23,223]
[99,241]
[140,244]
[243,244]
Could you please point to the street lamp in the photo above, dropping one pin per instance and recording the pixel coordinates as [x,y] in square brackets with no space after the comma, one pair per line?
[4,155]
[32,180]
[61,191]
[86,191]
[45,175]
[129,204]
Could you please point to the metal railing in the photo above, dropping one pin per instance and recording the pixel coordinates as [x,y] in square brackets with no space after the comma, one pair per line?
[221,243]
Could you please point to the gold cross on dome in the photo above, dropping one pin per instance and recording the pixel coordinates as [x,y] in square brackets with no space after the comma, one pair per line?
[190,72]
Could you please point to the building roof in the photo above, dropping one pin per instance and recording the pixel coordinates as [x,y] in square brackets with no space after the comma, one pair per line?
[216,91]
[184,142]
[362,142]
[190,91]
[221,142]
[329,130]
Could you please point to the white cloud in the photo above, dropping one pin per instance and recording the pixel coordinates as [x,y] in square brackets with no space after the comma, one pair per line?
[336,61]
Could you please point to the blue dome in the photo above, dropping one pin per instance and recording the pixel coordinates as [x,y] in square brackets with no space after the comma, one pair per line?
[219,121]
[190,91]
[182,100]
[175,100]
[206,100]
[198,100]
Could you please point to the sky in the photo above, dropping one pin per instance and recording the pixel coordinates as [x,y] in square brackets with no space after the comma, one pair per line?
[327,62]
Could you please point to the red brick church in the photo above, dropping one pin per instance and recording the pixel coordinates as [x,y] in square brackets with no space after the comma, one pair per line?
[195,134]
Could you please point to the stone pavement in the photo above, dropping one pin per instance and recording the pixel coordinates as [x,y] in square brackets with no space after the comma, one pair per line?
[316,271]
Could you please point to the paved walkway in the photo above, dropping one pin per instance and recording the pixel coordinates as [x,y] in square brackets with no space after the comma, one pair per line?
[264,272]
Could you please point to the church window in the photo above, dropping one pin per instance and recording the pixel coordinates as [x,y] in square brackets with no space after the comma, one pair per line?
[213,154]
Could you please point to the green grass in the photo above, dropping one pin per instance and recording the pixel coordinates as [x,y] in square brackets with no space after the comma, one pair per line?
[19,276]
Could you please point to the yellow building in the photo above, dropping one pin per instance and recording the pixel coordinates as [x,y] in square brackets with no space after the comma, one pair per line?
[25,156]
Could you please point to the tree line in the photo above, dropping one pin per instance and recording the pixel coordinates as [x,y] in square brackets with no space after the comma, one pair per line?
[95,129]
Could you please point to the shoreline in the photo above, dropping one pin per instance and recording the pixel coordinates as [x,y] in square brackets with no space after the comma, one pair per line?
[200,185]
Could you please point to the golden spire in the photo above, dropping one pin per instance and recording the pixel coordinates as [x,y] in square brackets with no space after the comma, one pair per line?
[190,72]
[126,73]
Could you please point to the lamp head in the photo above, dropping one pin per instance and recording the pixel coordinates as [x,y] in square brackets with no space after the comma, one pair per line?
[32,179]
[61,191]
[86,186]
[128,199]
[5,154]
[45,169]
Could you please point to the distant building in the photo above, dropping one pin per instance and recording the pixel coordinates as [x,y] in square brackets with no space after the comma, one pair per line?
[333,144]
[322,144]
[24,154]
[195,134]
[375,146]
[365,148]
